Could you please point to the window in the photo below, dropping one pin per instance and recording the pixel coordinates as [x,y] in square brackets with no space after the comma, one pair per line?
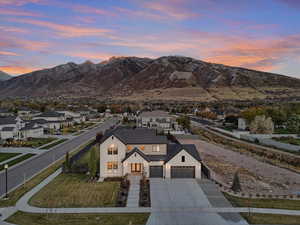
[183,158]
[112,150]
[142,147]
[155,148]
[129,147]
[112,165]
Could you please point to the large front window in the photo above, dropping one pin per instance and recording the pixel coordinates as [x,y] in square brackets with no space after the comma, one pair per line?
[112,150]
[155,148]
[112,165]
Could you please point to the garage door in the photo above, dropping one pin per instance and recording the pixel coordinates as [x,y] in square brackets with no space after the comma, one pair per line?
[156,171]
[182,172]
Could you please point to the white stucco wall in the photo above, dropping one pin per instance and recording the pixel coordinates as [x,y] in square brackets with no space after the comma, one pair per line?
[104,157]
[189,161]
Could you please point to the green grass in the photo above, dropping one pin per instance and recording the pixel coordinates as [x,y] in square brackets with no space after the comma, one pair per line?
[6,156]
[257,218]
[85,158]
[15,195]
[74,190]
[288,140]
[75,128]
[264,203]
[22,218]
[32,142]
[17,160]
[54,144]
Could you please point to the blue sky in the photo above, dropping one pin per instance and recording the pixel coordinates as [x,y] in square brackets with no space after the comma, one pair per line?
[262,35]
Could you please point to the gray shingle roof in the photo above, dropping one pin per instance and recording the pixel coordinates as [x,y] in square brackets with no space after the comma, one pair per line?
[158,113]
[136,150]
[136,136]
[30,126]
[7,120]
[51,114]
[174,149]
[8,128]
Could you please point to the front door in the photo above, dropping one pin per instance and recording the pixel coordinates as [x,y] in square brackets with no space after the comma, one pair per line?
[136,167]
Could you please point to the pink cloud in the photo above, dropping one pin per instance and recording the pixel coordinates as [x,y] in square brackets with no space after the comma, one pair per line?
[19,2]
[11,29]
[6,53]
[68,31]
[17,12]
[90,55]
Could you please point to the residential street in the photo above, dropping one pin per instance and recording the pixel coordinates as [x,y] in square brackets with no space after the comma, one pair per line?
[32,166]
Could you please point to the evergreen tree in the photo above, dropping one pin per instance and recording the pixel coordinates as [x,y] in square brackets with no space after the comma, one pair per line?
[236,186]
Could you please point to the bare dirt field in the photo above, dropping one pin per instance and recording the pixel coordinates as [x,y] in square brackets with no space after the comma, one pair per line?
[255,176]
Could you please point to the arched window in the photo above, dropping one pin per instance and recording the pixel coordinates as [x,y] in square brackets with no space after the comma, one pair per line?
[183,158]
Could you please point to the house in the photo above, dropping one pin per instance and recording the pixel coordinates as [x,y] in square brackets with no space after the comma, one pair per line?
[9,127]
[73,116]
[160,120]
[242,124]
[5,112]
[31,130]
[27,113]
[141,151]
[54,120]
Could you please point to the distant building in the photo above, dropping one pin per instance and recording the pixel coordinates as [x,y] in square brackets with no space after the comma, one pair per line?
[242,124]
[5,112]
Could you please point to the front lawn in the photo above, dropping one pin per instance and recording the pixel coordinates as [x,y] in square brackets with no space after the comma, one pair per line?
[22,218]
[263,203]
[30,143]
[54,144]
[74,190]
[288,140]
[17,160]
[75,128]
[6,156]
[257,218]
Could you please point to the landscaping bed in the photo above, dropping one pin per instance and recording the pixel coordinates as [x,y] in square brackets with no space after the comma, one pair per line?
[22,218]
[30,142]
[144,193]
[259,218]
[263,203]
[75,190]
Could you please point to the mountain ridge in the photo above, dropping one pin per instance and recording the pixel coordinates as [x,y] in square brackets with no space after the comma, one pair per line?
[4,76]
[167,77]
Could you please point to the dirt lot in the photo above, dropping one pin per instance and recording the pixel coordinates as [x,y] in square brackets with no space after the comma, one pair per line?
[255,176]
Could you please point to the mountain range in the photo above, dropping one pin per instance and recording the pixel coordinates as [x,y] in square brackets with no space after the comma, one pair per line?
[165,78]
[4,76]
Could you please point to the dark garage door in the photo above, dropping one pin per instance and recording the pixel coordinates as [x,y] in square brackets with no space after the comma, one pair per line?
[156,171]
[182,172]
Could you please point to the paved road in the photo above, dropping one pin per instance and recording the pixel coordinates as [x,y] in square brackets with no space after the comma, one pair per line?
[32,166]
[182,202]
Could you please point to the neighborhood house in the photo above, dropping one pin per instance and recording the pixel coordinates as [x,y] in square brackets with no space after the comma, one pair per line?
[141,151]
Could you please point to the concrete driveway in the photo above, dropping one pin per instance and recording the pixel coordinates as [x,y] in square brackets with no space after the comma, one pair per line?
[179,202]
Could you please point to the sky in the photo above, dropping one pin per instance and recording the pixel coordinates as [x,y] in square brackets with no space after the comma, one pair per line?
[256,34]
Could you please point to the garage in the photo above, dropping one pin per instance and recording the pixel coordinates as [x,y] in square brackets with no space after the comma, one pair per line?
[156,171]
[182,171]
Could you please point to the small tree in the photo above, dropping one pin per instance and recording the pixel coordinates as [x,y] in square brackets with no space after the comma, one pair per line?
[67,162]
[236,185]
[93,163]
[262,125]
[99,137]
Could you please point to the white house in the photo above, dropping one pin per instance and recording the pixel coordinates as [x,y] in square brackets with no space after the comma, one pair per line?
[5,112]
[242,124]
[75,116]
[9,127]
[31,130]
[54,120]
[141,151]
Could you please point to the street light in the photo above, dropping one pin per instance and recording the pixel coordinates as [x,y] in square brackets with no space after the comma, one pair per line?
[6,169]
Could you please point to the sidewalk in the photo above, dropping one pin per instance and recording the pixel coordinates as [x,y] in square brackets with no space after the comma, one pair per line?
[134,191]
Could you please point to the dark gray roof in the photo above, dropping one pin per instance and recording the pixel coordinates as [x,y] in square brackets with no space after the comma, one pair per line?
[3,110]
[136,150]
[30,126]
[8,120]
[136,136]
[174,149]
[8,128]
[51,114]
[156,157]
[39,121]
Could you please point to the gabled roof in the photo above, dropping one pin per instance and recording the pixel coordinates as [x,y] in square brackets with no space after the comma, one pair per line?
[136,150]
[136,136]
[157,113]
[31,126]
[51,114]
[174,149]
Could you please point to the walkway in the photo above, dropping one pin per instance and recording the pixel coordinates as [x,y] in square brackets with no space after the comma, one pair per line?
[134,191]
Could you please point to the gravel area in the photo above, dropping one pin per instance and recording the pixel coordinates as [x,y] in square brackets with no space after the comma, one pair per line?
[255,176]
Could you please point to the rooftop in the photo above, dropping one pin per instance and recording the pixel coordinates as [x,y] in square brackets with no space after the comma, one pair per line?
[51,114]
[8,120]
[157,113]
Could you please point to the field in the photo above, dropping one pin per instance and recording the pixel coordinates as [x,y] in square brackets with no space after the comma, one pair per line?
[74,190]
[32,142]
[22,218]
